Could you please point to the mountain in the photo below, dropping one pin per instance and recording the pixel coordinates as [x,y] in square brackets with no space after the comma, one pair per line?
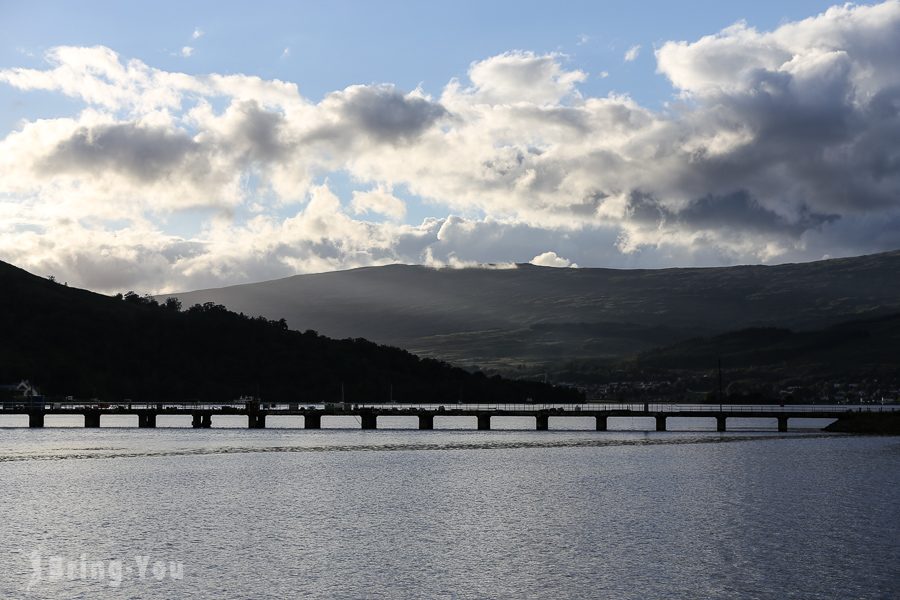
[74,342]
[533,317]
[852,347]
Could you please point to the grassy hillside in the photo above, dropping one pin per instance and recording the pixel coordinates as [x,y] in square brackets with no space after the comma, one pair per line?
[74,342]
[847,347]
[537,315]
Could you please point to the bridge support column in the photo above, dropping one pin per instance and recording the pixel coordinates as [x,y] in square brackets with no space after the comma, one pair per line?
[426,421]
[601,422]
[201,420]
[256,421]
[369,420]
[92,419]
[147,420]
[35,419]
[782,423]
[312,421]
[720,423]
[542,422]
[660,422]
[484,422]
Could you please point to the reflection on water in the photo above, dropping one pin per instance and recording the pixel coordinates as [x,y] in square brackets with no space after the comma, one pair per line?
[282,513]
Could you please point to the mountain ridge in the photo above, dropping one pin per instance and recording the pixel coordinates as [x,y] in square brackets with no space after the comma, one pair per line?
[532,315]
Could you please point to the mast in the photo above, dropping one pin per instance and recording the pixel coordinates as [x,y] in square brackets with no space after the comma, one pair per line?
[720,385]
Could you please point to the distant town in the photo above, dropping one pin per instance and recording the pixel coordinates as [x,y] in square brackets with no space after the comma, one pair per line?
[704,388]
[684,389]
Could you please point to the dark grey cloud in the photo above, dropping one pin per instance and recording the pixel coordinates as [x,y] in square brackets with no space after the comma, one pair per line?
[260,133]
[362,116]
[177,250]
[824,135]
[737,211]
[145,154]
[588,206]
[561,116]
[384,113]
[740,211]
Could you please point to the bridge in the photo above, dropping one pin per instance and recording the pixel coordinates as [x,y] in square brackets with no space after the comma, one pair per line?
[201,414]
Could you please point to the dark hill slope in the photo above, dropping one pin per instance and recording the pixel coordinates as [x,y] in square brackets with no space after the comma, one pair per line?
[501,317]
[851,347]
[74,342]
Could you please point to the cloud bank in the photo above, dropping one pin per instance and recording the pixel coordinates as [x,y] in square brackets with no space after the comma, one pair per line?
[778,145]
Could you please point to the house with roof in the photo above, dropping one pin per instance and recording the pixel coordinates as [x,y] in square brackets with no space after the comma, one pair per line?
[20,393]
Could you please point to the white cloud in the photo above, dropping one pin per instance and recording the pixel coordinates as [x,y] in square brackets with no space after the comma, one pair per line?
[198,33]
[187,51]
[632,53]
[784,149]
[286,53]
[515,77]
[583,39]
[551,259]
[378,200]
[603,74]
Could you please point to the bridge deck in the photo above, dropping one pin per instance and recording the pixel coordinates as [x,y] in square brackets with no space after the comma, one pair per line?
[201,415]
[450,413]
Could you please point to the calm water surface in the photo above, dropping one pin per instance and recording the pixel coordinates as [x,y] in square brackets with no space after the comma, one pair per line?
[449,514]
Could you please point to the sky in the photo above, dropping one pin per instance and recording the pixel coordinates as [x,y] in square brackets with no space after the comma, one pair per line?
[170,146]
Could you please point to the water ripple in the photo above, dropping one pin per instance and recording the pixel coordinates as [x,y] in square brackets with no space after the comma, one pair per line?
[108,453]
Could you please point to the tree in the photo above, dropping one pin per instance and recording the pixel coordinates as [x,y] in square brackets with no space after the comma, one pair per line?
[173,304]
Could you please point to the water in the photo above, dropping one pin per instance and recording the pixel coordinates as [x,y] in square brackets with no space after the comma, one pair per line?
[450,514]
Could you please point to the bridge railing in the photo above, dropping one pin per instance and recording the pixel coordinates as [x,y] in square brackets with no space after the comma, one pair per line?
[640,407]
[162,407]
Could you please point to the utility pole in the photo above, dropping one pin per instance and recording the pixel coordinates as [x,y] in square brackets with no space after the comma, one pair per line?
[720,385]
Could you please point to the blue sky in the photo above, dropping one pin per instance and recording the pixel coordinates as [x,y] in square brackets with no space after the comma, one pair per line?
[336,44]
[557,146]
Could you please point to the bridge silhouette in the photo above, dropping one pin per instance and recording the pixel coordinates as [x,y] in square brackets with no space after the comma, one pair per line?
[257,413]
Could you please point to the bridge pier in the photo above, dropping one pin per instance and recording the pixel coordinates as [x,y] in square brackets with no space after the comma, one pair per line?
[201,420]
[92,419]
[256,416]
